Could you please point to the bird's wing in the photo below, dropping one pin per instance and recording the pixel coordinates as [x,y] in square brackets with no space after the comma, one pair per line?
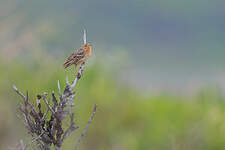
[74,58]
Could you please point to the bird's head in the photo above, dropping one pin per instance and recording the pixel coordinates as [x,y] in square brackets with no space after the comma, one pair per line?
[87,47]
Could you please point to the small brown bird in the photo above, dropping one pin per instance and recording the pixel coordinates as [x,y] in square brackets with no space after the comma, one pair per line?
[78,57]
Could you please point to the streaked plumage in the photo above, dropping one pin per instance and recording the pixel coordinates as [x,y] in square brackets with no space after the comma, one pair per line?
[78,57]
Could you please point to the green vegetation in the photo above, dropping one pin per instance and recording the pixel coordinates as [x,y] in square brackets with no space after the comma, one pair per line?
[125,120]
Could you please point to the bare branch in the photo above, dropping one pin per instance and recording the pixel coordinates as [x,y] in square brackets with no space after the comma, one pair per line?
[48,105]
[35,139]
[60,94]
[21,145]
[55,103]
[85,37]
[71,128]
[79,74]
[18,92]
[85,129]
[67,81]
[45,114]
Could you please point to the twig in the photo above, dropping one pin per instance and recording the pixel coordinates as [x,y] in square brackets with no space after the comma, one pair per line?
[34,140]
[18,92]
[85,37]
[85,129]
[59,89]
[79,74]
[67,81]
[22,145]
[46,102]
[45,114]
[71,128]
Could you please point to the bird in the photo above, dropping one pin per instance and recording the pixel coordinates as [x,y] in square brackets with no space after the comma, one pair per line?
[78,57]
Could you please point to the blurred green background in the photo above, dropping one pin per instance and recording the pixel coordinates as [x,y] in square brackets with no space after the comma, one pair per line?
[157,70]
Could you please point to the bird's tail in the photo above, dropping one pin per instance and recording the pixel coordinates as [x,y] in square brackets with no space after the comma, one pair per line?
[66,64]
